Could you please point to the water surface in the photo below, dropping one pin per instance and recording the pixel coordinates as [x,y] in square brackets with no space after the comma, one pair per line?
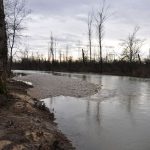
[116,118]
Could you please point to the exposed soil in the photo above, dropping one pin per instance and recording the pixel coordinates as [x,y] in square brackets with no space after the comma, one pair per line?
[25,124]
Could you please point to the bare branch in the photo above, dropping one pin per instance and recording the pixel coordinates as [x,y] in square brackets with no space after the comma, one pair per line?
[16,14]
[90,22]
[102,16]
[131,46]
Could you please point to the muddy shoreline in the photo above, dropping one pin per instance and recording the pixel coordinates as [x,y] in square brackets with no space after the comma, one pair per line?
[24,125]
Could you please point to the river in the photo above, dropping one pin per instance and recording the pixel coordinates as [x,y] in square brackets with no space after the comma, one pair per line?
[115,118]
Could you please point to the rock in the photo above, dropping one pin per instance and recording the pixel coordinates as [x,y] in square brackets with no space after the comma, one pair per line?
[51,116]
[18,147]
[4,143]
[41,105]
[40,136]
[19,107]
[29,108]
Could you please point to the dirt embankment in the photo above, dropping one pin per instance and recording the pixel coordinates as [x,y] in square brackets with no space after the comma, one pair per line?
[25,124]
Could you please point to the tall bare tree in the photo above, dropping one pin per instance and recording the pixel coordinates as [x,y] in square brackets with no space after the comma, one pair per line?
[90,22]
[101,18]
[67,51]
[55,50]
[132,46]
[60,56]
[52,47]
[83,56]
[16,14]
[3,48]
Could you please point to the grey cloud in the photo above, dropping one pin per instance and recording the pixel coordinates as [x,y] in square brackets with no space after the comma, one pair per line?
[68,16]
[51,7]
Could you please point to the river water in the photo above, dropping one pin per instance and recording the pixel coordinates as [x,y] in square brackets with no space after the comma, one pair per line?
[116,118]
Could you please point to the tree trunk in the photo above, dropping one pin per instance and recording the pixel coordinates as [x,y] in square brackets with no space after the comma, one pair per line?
[3,49]
[11,52]
[139,58]
[90,45]
[83,56]
[100,48]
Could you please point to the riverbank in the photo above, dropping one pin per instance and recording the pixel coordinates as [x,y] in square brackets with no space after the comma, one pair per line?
[26,124]
[47,85]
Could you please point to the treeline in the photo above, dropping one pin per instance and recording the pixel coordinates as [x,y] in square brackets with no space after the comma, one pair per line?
[116,67]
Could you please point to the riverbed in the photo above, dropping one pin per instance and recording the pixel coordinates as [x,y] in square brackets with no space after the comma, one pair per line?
[117,117]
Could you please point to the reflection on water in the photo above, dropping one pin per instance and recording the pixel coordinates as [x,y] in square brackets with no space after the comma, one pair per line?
[116,118]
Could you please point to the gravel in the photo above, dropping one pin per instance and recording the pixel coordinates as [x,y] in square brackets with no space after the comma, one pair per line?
[47,85]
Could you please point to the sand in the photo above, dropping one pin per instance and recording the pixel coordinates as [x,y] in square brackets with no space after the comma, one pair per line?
[47,85]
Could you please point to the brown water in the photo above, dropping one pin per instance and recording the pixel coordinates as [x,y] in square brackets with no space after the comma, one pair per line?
[116,118]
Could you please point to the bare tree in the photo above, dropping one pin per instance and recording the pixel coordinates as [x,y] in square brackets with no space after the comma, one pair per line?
[83,56]
[3,49]
[16,14]
[55,51]
[67,51]
[26,53]
[90,21]
[101,18]
[49,52]
[132,46]
[60,56]
[52,47]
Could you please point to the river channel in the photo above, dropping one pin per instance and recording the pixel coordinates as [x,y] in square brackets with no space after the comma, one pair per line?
[115,118]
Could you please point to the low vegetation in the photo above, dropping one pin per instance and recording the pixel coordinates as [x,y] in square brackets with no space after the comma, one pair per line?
[116,67]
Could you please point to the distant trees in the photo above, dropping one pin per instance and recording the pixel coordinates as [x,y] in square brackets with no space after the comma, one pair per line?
[3,49]
[132,46]
[16,13]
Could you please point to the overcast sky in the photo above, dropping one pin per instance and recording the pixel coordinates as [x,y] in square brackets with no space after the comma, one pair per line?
[67,20]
